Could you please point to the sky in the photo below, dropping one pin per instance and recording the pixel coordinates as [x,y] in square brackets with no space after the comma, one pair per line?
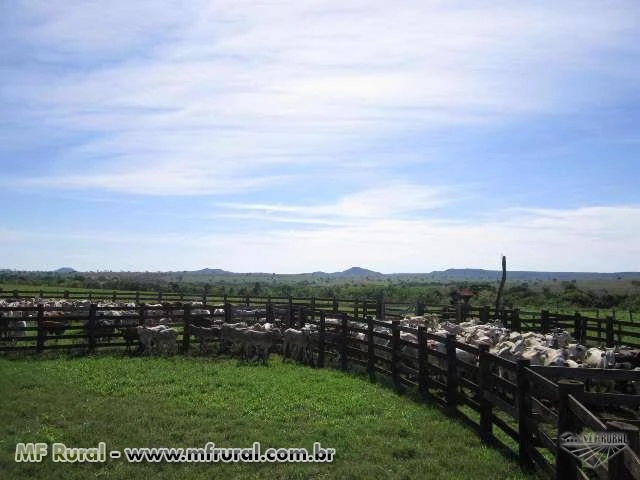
[294,136]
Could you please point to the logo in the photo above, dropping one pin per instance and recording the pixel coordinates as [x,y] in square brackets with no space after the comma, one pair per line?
[593,449]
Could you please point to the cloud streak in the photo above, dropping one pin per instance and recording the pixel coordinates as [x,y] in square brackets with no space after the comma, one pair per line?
[534,240]
[184,100]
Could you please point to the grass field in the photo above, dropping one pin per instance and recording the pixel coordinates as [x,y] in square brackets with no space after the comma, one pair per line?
[186,402]
[59,291]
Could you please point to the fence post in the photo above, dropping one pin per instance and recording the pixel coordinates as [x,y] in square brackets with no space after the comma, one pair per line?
[484,372]
[566,467]
[267,308]
[335,304]
[395,346]
[186,334]
[227,310]
[423,373]
[91,325]
[420,308]
[40,336]
[371,354]
[484,314]
[321,333]
[599,327]
[304,315]
[142,314]
[452,373]
[355,311]
[544,321]
[458,312]
[344,337]
[159,297]
[291,316]
[609,332]
[312,306]
[524,414]
[577,327]
[515,320]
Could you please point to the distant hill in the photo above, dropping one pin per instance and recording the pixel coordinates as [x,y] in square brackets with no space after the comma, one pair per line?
[357,272]
[210,271]
[65,270]
[476,274]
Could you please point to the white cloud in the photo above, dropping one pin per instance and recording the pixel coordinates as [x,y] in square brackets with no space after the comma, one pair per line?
[586,239]
[381,202]
[186,98]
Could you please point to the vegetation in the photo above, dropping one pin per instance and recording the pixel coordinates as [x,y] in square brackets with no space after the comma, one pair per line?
[620,293]
[186,402]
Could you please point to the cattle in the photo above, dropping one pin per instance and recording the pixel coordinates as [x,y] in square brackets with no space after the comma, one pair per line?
[157,339]
[205,334]
[103,329]
[296,344]
[231,333]
[165,340]
[129,335]
[261,341]
[15,330]
[596,358]
[409,349]
[55,327]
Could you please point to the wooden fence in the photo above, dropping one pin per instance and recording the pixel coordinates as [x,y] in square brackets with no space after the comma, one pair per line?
[516,407]
[605,331]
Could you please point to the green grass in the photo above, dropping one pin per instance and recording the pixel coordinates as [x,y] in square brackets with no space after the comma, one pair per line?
[186,402]
[59,291]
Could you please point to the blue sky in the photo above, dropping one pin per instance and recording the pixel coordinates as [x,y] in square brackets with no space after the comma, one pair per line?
[287,136]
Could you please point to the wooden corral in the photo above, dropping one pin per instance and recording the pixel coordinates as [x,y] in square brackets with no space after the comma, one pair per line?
[519,408]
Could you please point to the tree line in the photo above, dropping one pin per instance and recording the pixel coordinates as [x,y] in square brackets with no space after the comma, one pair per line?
[566,294]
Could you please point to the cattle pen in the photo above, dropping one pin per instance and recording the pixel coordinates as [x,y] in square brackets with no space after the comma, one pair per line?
[517,407]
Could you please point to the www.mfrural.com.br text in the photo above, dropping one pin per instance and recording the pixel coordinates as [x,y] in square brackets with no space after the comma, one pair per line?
[61,453]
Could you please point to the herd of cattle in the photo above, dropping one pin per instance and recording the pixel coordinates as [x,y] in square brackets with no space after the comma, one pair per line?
[255,338]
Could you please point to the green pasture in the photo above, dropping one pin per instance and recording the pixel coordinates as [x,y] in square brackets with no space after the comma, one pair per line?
[186,402]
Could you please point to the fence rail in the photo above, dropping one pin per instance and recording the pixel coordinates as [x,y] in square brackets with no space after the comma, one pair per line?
[600,331]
